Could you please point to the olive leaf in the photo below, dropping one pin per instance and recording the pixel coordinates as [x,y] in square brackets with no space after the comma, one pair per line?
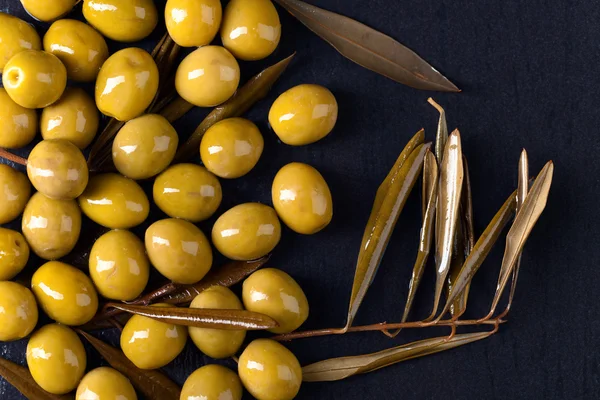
[174,109]
[21,379]
[442,130]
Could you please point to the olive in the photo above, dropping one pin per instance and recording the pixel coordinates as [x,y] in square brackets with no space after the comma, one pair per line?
[79,46]
[144,146]
[251,29]
[65,293]
[193,23]
[231,148]
[51,226]
[34,78]
[122,20]
[15,194]
[114,201]
[16,35]
[19,124]
[19,311]
[119,266]
[105,384]
[304,114]
[151,344]
[247,231]
[74,117]
[217,343]
[208,76]
[126,84]
[56,358]
[14,253]
[269,371]
[212,382]
[57,168]
[46,11]
[178,250]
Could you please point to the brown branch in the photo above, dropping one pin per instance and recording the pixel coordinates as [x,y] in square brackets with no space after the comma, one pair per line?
[7,155]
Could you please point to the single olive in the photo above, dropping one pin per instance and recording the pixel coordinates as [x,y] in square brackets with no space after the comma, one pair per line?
[144,146]
[304,114]
[208,76]
[34,78]
[14,254]
[16,35]
[151,344]
[179,250]
[47,11]
[51,226]
[119,266]
[56,358]
[126,84]
[15,193]
[79,46]
[19,124]
[19,314]
[231,148]
[57,168]
[114,201]
[193,23]
[212,382]
[269,371]
[251,29]
[122,20]
[247,231]
[105,384]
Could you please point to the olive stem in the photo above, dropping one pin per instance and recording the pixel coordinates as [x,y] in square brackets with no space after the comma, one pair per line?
[7,155]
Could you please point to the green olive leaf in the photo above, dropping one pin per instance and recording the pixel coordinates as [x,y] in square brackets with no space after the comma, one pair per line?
[174,109]
[441,135]
[466,204]
[21,379]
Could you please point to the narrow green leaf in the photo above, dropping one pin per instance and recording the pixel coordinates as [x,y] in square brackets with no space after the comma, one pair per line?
[442,131]
[174,109]
[466,203]
[21,379]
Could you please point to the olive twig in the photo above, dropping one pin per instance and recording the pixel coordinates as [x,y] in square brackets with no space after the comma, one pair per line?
[7,155]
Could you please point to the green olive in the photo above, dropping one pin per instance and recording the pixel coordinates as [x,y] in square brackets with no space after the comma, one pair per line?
[65,293]
[57,168]
[16,35]
[47,11]
[212,382]
[105,384]
[231,148]
[247,231]
[19,124]
[119,266]
[126,84]
[19,311]
[304,114]
[144,146]
[122,20]
[269,371]
[151,344]
[51,226]
[178,250]
[217,343]
[15,194]
[14,254]
[114,201]
[56,358]
[193,23]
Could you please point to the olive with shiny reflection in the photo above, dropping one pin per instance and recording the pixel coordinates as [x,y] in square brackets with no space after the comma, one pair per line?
[19,314]
[15,195]
[122,20]
[14,254]
[16,35]
[193,23]
[105,384]
[47,11]
[212,382]
[19,124]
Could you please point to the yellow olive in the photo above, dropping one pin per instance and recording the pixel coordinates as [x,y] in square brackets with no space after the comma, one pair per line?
[114,201]
[122,20]
[217,343]
[251,29]
[187,191]
[19,311]
[231,148]
[119,266]
[56,358]
[34,78]
[269,371]
[16,35]
[15,193]
[144,146]
[79,46]
[304,114]
[126,84]
[178,250]
[105,384]
[51,226]
[47,11]
[18,124]
[247,231]
[14,253]
[193,23]
[151,344]
[57,168]
[212,382]
[208,76]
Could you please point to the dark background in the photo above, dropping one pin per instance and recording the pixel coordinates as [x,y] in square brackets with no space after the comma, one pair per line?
[529,75]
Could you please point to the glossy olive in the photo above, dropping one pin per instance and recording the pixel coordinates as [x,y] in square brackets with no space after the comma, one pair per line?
[34,78]
[105,384]
[269,371]
[126,84]
[193,23]
[18,124]
[47,11]
[51,226]
[208,76]
[122,20]
[79,46]
[304,114]
[212,382]
[178,250]
[15,193]
[231,148]
[14,254]
[251,29]
[119,266]
[114,201]
[151,344]
[16,35]
[56,358]
[144,146]
[19,311]
[247,231]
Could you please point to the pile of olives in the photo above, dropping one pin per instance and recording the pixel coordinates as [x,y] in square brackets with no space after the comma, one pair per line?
[35,74]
